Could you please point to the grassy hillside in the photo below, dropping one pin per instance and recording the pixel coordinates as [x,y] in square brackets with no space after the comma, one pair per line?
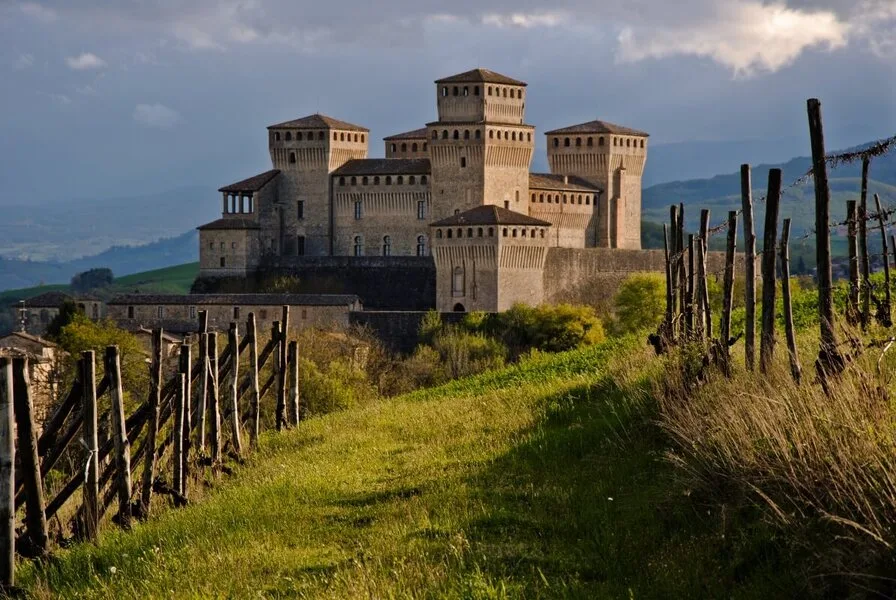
[543,480]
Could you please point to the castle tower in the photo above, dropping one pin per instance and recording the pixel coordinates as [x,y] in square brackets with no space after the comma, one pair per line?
[305,151]
[489,258]
[480,147]
[612,157]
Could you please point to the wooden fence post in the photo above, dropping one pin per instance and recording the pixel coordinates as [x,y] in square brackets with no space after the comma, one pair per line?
[670,301]
[884,315]
[254,398]
[177,435]
[293,361]
[90,504]
[704,284]
[865,261]
[689,304]
[119,436]
[725,324]
[284,367]
[155,400]
[673,265]
[233,340]
[279,371]
[746,196]
[7,478]
[185,366]
[213,404]
[852,304]
[769,253]
[202,399]
[788,308]
[829,358]
[682,275]
[29,460]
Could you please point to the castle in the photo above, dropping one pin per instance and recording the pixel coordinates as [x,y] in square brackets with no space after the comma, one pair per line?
[458,190]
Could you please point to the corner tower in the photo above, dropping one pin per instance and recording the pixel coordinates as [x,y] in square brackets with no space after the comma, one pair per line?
[480,147]
[613,158]
[306,151]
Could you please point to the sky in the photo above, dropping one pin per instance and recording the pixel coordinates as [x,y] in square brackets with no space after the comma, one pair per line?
[126,97]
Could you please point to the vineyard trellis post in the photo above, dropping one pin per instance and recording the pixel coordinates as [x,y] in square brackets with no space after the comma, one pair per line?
[852,306]
[185,367]
[279,372]
[202,399]
[725,323]
[704,287]
[884,313]
[122,446]
[254,399]
[29,459]
[293,361]
[667,335]
[746,194]
[178,479]
[214,399]
[7,478]
[673,267]
[772,203]
[795,370]
[863,237]
[682,275]
[233,340]
[90,503]
[689,308]
[155,401]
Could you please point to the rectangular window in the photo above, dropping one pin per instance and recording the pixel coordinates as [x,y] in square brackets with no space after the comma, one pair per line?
[358,209]
[300,245]
[211,245]
[463,162]
[223,262]
[304,313]
[160,311]
[236,312]
[421,209]
[300,210]
[233,245]
[192,312]
[130,312]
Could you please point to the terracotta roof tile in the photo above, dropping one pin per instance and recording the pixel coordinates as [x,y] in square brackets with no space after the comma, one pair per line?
[598,127]
[230,223]
[317,121]
[490,214]
[408,135]
[385,166]
[252,184]
[550,181]
[481,75]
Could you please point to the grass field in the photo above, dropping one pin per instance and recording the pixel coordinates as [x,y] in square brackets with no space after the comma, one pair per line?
[542,480]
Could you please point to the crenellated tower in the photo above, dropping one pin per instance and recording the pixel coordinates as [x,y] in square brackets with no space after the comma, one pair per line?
[480,148]
[306,151]
[612,157]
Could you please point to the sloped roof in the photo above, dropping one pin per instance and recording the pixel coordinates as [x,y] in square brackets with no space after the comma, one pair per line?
[598,126]
[490,214]
[318,121]
[408,135]
[230,223]
[550,181]
[385,166]
[252,184]
[481,75]
[27,337]
[237,299]
[48,300]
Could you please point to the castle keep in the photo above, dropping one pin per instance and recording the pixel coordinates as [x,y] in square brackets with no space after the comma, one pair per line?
[458,190]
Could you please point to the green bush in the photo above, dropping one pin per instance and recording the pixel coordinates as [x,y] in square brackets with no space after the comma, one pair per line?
[640,303]
[337,387]
[463,353]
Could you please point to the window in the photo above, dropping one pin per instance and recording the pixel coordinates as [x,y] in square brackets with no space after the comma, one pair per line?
[412,180]
[504,232]
[211,245]
[454,91]
[299,136]
[564,198]
[478,134]
[335,136]
[192,312]
[130,312]
[387,246]
[475,90]
[628,143]
[507,204]
[358,209]
[160,312]
[580,198]
[529,136]
[541,198]
[223,262]
[517,195]
[304,313]
[399,180]
[466,134]
[300,245]
[404,147]
[277,136]
[642,143]
[556,142]
[388,180]
[288,136]
[393,147]
[342,181]
[444,134]
[466,91]
[236,312]
[456,134]
[421,209]
[505,92]
[362,138]
[491,134]
[423,179]
[414,147]
[523,232]
[364,180]
[457,282]
[533,198]
[292,158]
[514,232]
[463,161]
[600,141]
[421,242]
[578,142]
[566,142]
[233,245]
[376,180]
[491,232]
[435,134]
[449,233]
[489,90]
[300,210]
[444,90]
[479,232]
[320,135]
[460,233]
[356,137]
[222,246]
[341,137]
[590,142]
[359,247]
[424,146]
[439,233]
[469,232]
[587,200]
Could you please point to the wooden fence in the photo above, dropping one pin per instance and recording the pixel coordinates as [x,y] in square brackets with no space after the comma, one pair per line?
[174,430]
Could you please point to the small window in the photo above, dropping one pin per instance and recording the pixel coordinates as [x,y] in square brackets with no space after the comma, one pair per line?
[479,232]
[423,179]
[507,204]
[475,90]
[514,232]
[517,195]
[130,312]
[299,136]
[587,200]
[341,137]
[364,180]
[463,161]
[457,282]
[421,242]
[359,246]
[387,246]
[393,148]
[556,142]
[424,146]
[460,233]
[491,232]
[444,134]
[388,180]
[233,245]
[335,136]
[160,312]
[533,198]
[489,90]
[590,142]
[222,246]
[362,138]
[300,210]
[449,233]
[399,180]
[292,158]
[478,134]
[354,181]
[288,136]
[439,233]
[320,135]
[566,142]
[412,179]
[628,143]
[342,181]
[529,137]
[236,312]
[578,142]
[541,198]
[223,262]
[435,134]
[466,134]
[421,209]
[505,92]
[414,147]
[504,232]
[491,134]
[469,232]
[444,91]
[356,137]
[404,147]
[642,143]
[466,91]
[358,209]
[277,136]
[600,141]
[376,180]
[456,134]
[300,245]
[455,91]
[211,245]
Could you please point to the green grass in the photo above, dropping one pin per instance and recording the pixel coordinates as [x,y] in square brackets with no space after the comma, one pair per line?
[170,280]
[542,480]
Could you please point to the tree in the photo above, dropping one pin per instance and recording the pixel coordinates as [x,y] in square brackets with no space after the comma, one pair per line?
[67,313]
[640,303]
[92,279]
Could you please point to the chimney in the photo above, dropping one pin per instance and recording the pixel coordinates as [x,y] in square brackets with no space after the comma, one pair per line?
[565,179]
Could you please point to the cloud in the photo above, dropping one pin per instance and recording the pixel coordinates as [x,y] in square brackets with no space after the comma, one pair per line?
[38,12]
[84,61]
[525,20]
[156,115]
[22,62]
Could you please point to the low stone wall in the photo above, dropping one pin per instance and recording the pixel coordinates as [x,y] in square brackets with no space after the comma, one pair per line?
[398,330]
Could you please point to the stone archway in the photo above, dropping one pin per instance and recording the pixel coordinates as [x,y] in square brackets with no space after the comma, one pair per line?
[459,308]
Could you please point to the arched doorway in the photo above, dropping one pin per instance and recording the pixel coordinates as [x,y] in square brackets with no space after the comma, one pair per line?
[459,308]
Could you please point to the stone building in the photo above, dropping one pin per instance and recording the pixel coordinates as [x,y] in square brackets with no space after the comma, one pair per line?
[325,198]
[45,368]
[36,313]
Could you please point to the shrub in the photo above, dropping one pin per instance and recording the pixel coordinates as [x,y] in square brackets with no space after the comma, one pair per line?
[640,303]
[336,387]
[465,353]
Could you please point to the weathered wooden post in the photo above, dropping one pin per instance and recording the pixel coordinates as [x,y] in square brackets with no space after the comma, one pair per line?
[788,307]
[185,367]
[279,371]
[29,460]
[254,396]
[727,301]
[689,305]
[7,478]
[293,361]
[90,505]
[852,304]
[177,435]
[682,275]
[830,361]
[202,399]
[155,400]
[864,259]
[119,436]
[213,397]
[673,265]
[886,316]
[233,340]
[746,196]
[284,367]
[704,284]
[769,251]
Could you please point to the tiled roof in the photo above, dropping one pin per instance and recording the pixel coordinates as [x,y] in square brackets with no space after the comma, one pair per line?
[230,223]
[408,135]
[27,337]
[317,121]
[252,184]
[550,181]
[237,299]
[481,75]
[598,127]
[385,166]
[48,300]
[490,214]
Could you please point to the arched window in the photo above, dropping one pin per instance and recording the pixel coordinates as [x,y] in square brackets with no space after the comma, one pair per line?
[533,198]
[454,91]
[421,243]
[288,136]
[424,146]
[489,90]
[435,134]
[529,137]
[393,148]
[449,233]
[444,134]
[469,232]
[491,232]
[513,136]
[466,134]
[504,232]
[615,141]
[564,198]
[412,180]
[460,233]
[387,245]
[642,143]
[541,198]
[335,136]
[505,92]
[376,180]
[556,142]
[456,134]
[320,135]
[587,200]
[421,209]
[542,232]
[404,147]
[578,142]
[628,142]
[475,90]
[299,136]
[277,136]
[423,179]
[566,142]
[359,246]
[600,141]
[414,147]
[292,158]
[354,181]
[517,195]
[364,180]
[399,180]
[466,91]
[590,142]
[341,137]
[478,134]
[580,198]
[457,282]
[444,90]
[514,232]
[463,162]
[356,137]
[479,232]
[439,233]
[342,181]
[388,180]
[491,134]
[522,233]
